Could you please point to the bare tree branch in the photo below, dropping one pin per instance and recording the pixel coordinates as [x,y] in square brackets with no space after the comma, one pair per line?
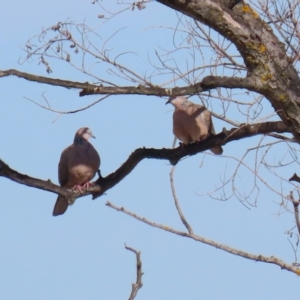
[173,155]
[296,210]
[261,258]
[181,215]
[138,284]
[46,185]
[208,83]
[47,80]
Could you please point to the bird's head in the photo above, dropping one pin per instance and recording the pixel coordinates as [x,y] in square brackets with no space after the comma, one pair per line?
[83,134]
[177,101]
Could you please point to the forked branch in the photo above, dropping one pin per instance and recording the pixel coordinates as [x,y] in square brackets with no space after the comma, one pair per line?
[138,284]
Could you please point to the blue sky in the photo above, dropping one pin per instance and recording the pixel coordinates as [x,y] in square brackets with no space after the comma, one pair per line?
[81,254]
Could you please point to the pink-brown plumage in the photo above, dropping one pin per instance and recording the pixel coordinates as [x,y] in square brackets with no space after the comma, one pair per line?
[192,122]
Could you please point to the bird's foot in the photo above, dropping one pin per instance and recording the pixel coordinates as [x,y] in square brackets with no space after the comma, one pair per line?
[202,138]
[87,185]
[77,188]
[82,188]
[182,145]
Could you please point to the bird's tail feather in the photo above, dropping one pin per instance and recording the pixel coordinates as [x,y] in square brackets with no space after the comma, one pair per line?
[218,150]
[60,206]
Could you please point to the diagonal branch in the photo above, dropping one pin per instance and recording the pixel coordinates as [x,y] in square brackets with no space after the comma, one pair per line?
[172,155]
[261,258]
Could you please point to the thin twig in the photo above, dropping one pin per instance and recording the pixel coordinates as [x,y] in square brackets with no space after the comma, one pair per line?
[295,253]
[182,217]
[296,210]
[67,112]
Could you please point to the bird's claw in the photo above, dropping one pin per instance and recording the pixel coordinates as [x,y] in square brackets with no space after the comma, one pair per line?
[82,188]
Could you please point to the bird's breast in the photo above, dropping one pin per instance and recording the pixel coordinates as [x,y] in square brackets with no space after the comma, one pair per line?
[82,165]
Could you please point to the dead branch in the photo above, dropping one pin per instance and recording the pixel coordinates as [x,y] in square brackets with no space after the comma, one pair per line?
[181,215]
[261,258]
[296,210]
[46,185]
[208,83]
[138,284]
[46,80]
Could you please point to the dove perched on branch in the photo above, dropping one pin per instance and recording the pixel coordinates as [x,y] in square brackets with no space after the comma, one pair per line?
[77,166]
[192,122]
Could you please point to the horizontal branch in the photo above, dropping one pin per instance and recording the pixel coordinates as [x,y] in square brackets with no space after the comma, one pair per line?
[46,80]
[172,155]
[208,83]
[212,82]
[261,258]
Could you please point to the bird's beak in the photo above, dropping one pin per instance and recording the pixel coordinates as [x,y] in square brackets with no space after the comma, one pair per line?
[170,99]
[93,136]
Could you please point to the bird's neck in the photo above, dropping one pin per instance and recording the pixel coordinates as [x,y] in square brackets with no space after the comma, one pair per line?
[79,140]
[185,104]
